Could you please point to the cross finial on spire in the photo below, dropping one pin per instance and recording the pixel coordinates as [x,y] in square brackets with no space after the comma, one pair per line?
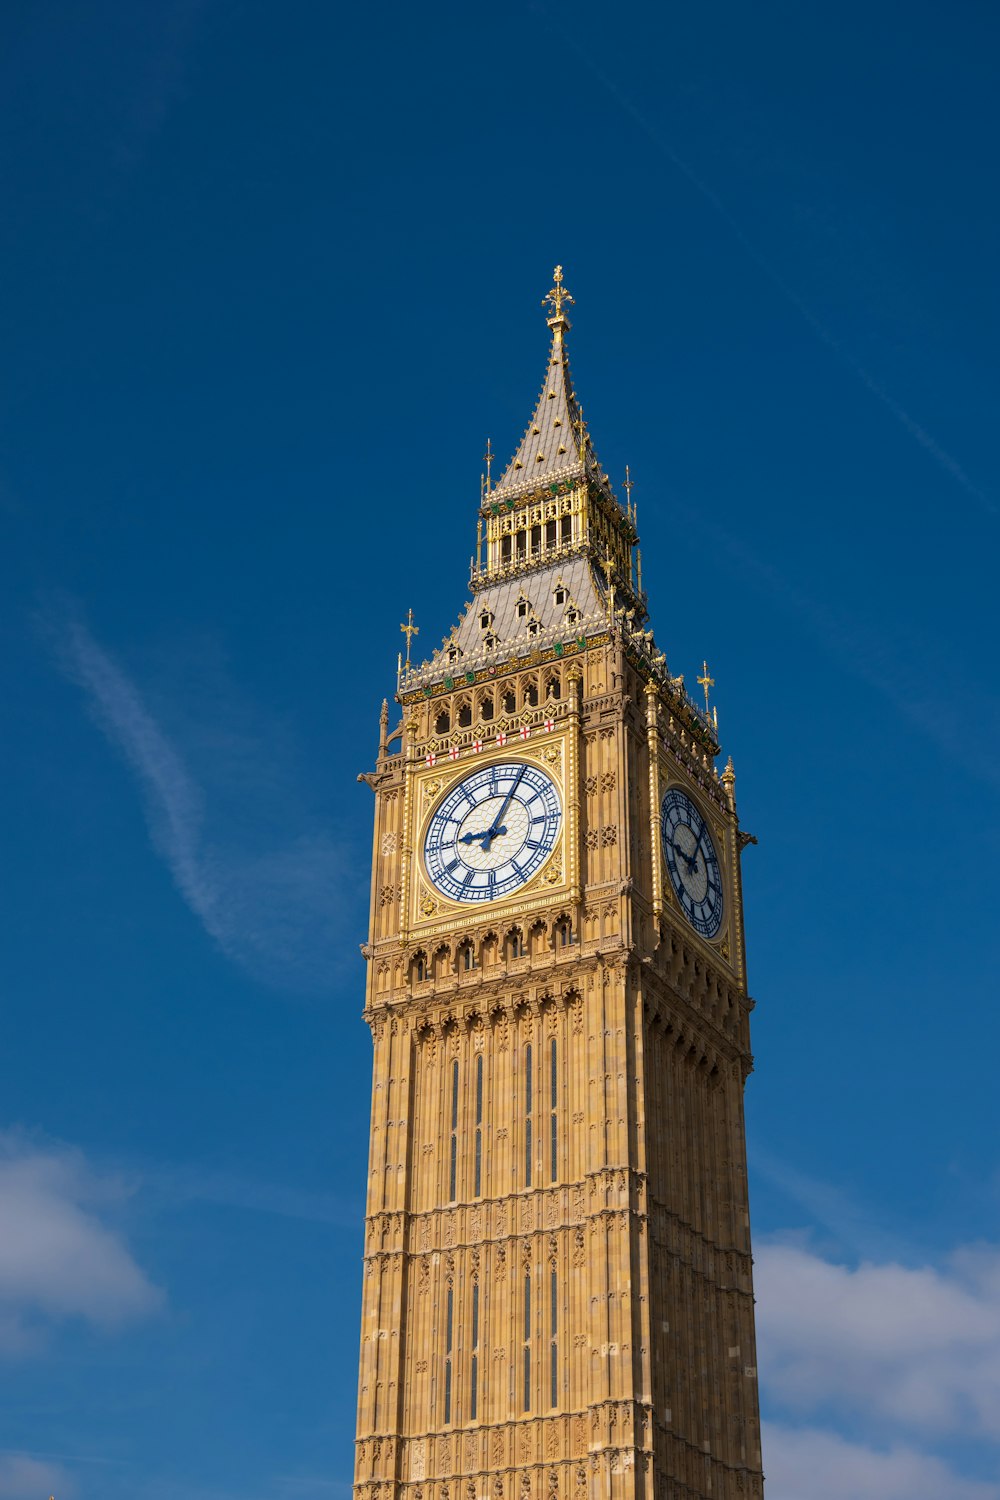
[488,457]
[706,682]
[409,630]
[629,486]
[555,299]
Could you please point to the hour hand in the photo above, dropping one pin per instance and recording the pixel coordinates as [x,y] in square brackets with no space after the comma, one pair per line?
[486,834]
[692,859]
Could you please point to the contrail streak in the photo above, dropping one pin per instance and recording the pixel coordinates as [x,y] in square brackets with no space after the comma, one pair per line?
[942,457]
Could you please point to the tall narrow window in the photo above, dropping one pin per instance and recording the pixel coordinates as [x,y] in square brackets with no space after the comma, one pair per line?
[527,1115]
[449,1334]
[479,1126]
[527,1343]
[474,1379]
[553,1107]
[453,1165]
[553,1347]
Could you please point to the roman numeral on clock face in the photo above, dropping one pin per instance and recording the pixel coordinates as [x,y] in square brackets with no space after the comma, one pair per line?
[691,861]
[492,832]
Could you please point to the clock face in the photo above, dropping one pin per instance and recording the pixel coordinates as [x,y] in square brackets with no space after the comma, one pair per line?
[692,862]
[492,832]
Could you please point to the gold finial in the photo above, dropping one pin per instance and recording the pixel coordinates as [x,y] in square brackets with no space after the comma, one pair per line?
[409,630]
[580,428]
[706,682]
[629,485]
[488,457]
[556,297]
[728,779]
[607,566]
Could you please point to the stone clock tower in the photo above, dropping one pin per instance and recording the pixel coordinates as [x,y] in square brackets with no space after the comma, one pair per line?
[557,1277]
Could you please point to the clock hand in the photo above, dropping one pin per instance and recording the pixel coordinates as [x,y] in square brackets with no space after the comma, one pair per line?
[484,833]
[496,830]
[692,859]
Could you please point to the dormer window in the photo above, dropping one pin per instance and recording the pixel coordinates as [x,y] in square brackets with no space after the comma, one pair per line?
[522,608]
[485,619]
[454,652]
[534,627]
[560,596]
[572,615]
[490,642]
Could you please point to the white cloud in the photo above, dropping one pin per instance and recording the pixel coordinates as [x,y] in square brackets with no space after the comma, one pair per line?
[25,1478]
[274,911]
[917,1347]
[810,1464]
[59,1258]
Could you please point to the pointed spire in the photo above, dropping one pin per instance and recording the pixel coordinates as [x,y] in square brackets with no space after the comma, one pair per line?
[556,446]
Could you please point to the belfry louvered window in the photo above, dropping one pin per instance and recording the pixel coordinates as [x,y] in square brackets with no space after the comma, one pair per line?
[526,1352]
[553,1345]
[449,1335]
[474,1366]
[453,1145]
[553,1110]
[528,1107]
[479,1128]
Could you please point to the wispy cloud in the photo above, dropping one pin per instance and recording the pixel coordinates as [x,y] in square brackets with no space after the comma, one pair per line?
[272,909]
[61,1255]
[812,1464]
[846,1221]
[947,462]
[916,1347]
[185,1184]
[25,1478]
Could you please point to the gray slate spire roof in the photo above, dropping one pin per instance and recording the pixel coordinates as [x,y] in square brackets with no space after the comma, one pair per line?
[556,445]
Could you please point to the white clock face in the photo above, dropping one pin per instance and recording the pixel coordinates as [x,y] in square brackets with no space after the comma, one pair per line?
[492,832]
[692,862]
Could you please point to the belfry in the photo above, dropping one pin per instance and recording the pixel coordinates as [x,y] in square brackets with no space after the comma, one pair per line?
[557,1298]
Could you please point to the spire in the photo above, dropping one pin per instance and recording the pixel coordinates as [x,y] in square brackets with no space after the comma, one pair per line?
[556,446]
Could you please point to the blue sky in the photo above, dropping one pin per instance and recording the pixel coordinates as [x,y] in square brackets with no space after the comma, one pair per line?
[271,277]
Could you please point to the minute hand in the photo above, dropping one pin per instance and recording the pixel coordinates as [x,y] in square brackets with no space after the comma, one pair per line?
[494,829]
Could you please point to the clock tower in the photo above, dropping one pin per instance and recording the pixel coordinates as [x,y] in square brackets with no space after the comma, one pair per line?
[557,1297]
